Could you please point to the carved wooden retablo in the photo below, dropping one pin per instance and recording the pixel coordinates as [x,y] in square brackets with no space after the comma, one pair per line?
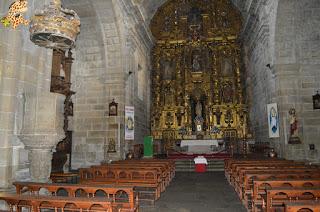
[197,80]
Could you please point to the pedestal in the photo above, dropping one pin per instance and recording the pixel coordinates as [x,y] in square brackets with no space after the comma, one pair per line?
[40,154]
[40,137]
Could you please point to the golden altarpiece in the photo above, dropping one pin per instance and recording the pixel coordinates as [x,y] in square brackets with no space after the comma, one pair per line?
[197,80]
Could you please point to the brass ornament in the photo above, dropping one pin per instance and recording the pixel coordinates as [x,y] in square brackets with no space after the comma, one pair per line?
[197,85]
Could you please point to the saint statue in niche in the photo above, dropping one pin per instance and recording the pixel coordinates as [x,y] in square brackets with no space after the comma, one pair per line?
[226,67]
[218,114]
[196,62]
[168,96]
[62,72]
[199,109]
[167,67]
[198,119]
[227,93]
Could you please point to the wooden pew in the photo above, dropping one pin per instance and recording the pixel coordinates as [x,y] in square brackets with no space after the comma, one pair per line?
[307,206]
[245,187]
[260,187]
[231,166]
[168,165]
[240,171]
[246,176]
[122,176]
[160,169]
[278,197]
[120,195]
[38,203]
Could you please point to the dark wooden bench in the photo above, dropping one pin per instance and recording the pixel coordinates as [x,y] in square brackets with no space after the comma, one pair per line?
[278,197]
[169,166]
[119,195]
[242,174]
[160,169]
[260,187]
[243,180]
[306,206]
[60,177]
[123,176]
[18,202]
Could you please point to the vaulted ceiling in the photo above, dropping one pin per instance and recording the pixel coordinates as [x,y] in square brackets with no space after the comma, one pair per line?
[149,7]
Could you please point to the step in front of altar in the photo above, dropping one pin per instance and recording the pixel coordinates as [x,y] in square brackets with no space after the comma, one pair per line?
[187,165]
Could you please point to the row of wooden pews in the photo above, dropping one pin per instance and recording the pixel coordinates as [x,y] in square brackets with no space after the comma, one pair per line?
[114,187]
[150,177]
[275,184]
[31,196]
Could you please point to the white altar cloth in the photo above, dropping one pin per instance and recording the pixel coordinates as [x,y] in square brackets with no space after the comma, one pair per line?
[200,160]
[199,143]
[199,146]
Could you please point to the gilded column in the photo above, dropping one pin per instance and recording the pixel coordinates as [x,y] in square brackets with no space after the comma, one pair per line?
[215,79]
[238,77]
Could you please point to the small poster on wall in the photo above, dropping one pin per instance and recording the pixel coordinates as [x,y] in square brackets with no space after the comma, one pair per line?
[129,123]
[273,120]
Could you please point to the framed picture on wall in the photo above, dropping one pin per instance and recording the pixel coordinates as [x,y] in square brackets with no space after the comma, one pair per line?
[316,101]
[113,108]
[273,120]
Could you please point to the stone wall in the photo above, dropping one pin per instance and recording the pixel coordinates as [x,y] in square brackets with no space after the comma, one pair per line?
[27,108]
[258,50]
[283,34]
[19,72]
[297,68]
[109,51]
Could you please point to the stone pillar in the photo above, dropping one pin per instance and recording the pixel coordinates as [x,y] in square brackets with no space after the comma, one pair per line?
[40,155]
[42,137]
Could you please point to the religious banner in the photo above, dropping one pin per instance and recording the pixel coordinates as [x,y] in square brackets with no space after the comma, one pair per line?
[273,120]
[129,123]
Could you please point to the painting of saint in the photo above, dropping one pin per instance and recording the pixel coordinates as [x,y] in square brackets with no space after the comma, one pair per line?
[273,120]
[226,67]
[167,67]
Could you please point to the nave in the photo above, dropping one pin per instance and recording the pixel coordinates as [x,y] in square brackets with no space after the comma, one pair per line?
[198,192]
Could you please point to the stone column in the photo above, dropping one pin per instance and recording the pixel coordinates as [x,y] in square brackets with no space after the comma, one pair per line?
[42,137]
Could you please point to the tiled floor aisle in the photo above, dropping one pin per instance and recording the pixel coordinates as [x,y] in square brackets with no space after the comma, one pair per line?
[198,192]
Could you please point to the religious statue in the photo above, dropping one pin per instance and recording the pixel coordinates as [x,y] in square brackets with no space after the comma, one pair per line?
[167,67]
[294,138]
[228,117]
[198,119]
[199,109]
[62,72]
[196,63]
[226,68]
[111,145]
[227,93]
[218,114]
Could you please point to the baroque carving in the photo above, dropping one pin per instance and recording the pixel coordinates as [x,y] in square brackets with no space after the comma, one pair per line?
[197,75]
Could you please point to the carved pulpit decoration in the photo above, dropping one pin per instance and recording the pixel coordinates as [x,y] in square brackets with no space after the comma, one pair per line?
[61,72]
[61,83]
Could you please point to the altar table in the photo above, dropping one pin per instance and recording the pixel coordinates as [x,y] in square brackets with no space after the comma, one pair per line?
[199,146]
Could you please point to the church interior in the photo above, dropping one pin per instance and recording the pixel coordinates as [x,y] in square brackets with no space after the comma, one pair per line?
[160,105]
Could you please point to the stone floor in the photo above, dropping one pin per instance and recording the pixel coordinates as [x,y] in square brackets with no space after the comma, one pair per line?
[198,192]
